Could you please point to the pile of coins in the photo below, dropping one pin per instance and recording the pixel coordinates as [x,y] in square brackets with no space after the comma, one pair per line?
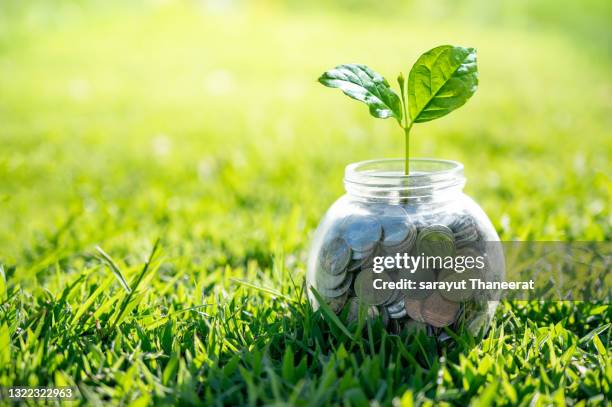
[344,274]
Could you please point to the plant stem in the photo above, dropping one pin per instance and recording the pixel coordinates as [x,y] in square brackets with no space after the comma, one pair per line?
[407,125]
[407,141]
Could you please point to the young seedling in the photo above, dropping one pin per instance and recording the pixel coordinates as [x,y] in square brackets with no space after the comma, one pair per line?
[440,81]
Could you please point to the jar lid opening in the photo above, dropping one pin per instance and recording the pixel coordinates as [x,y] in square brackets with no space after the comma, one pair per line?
[386,178]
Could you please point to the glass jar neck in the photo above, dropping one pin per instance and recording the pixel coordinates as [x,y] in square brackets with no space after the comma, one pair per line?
[384,180]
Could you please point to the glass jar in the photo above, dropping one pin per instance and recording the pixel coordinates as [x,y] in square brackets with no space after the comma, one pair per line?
[364,252]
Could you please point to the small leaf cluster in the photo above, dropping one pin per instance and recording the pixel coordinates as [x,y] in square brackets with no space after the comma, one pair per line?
[440,81]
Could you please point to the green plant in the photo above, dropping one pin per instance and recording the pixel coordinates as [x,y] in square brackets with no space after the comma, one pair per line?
[440,81]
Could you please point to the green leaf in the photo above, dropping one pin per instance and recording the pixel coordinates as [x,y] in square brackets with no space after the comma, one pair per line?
[114,268]
[287,367]
[329,313]
[601,349]
[5,345]
[363,84]
[440,81]
[3,285]
[356,397]
[169,374]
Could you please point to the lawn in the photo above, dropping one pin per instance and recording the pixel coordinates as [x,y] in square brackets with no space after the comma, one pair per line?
[163,166]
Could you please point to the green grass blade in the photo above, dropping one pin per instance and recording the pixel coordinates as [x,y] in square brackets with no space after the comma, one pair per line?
[115,269]
[331,315]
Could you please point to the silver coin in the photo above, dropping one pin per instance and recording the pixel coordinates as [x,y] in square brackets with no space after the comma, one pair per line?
[385,317]
[466,232]
[360,264]
[460,222]
[473,252]
[436,240]
[467,237]
[337,291]
[355,305]
[336,304]
[399,314]
[396,307]
[464,229]
[395,326]
[470,232]
[365,290]
[423,220]
[356,264]
[361,232]
[335,256]
[404,247]
[465,242]
[396,296]
[330,281]
[390,211]
[358,255]
[459,294]
[420,278]
[395,231]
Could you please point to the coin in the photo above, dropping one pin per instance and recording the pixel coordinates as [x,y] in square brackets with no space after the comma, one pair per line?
[439,312]
[388,210]
[329,280]
[364,287]
[337,291]
[425,219]
[470,251]
[395,231]
[336,304]
[384,315]
[354,305]
[459,294]
[436,240]
[353,310]
[394,222]
[395,326]
[399,235]
[356,264]
[465,240]
[396,307]
[413,309]
[420,278]
[399,314]
[335,256]
[406,246]
[361,232]
[360,255]
[464,229]
[472,272]
[415,326]
[396,295]
[469,232]
[459,222]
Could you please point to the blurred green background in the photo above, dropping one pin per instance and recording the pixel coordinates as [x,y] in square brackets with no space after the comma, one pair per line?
[201,123]
[201,120]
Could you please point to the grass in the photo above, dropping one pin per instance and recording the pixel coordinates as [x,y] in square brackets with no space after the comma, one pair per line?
[206,130]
